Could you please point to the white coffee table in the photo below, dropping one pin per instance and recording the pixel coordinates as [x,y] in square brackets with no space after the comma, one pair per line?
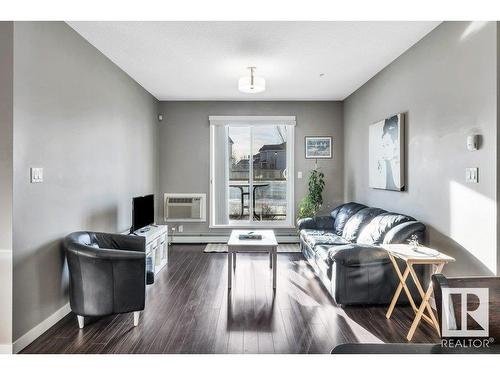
[267,244]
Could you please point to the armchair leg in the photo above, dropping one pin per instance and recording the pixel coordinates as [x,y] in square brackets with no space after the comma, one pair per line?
[81,321]
[136,318]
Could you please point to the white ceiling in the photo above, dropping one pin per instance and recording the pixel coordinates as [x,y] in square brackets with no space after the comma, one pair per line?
[203,60]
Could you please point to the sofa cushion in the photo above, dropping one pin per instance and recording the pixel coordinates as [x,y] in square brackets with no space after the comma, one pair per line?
[344,214]
[357,222]
[314,237]
[403,232]
[316,222]
[335,212]
[373,233]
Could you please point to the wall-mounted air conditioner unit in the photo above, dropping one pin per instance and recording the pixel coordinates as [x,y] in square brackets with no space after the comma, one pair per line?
[185,207]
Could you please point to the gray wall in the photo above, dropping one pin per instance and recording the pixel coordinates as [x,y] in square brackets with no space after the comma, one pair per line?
[185,146]
[447,85]
[6,195]
[94,131]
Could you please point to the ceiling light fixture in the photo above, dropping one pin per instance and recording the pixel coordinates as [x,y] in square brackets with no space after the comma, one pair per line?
[252,84]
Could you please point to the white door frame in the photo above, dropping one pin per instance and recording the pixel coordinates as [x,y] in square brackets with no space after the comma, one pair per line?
[252,121]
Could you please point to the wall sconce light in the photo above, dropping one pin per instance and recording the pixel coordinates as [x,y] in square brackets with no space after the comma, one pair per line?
[473,142]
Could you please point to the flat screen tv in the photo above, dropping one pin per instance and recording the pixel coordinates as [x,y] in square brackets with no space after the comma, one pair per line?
[143,211]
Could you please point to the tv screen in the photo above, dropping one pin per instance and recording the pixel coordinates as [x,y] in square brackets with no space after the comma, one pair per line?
[143,211]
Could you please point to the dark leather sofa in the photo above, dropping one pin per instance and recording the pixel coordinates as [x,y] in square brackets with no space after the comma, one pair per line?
[343,250]
[107,274]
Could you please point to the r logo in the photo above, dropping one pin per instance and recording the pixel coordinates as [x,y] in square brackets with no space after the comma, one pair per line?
[477,314]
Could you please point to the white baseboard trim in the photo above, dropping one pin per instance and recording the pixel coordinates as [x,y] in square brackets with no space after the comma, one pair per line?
[38,330]
[222,239]
[5,349]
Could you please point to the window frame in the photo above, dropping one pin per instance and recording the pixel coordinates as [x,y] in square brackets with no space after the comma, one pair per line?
[253,121]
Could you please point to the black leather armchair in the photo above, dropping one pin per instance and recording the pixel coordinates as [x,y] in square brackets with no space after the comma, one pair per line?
[107,274]
[492,283]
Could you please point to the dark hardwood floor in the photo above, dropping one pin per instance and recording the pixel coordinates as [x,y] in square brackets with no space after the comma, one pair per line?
[188,310]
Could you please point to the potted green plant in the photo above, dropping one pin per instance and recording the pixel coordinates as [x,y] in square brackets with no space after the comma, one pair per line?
[311,203]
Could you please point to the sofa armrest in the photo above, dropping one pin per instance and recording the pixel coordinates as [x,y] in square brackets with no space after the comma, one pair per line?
[305,223]
[109,254]
[316,222]
[121,241]
[402,233]
[358,254]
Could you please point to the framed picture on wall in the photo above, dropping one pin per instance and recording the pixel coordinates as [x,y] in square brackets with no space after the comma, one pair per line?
[386,154]
[318,147]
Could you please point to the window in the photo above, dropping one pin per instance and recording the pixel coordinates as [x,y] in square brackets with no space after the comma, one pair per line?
[251,171]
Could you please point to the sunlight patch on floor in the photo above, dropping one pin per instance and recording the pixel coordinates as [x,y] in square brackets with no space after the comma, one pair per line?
[361,333]
[299,286]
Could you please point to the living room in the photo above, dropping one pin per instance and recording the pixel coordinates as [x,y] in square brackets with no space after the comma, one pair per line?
[199,187]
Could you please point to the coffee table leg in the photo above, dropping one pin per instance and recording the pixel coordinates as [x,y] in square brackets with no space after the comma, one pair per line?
[275,259]
[270,259]
[229,268]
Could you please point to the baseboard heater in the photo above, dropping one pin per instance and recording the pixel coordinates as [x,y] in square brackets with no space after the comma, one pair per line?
[220,238]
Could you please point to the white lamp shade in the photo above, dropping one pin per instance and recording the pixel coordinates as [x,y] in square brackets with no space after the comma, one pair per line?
[245,84]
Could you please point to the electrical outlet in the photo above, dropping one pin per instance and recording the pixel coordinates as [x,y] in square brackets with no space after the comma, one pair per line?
[299,174]
[472,175]
[181,228]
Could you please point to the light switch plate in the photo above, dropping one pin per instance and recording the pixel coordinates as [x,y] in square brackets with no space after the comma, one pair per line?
[36,175]
[299,174]
[472,175]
